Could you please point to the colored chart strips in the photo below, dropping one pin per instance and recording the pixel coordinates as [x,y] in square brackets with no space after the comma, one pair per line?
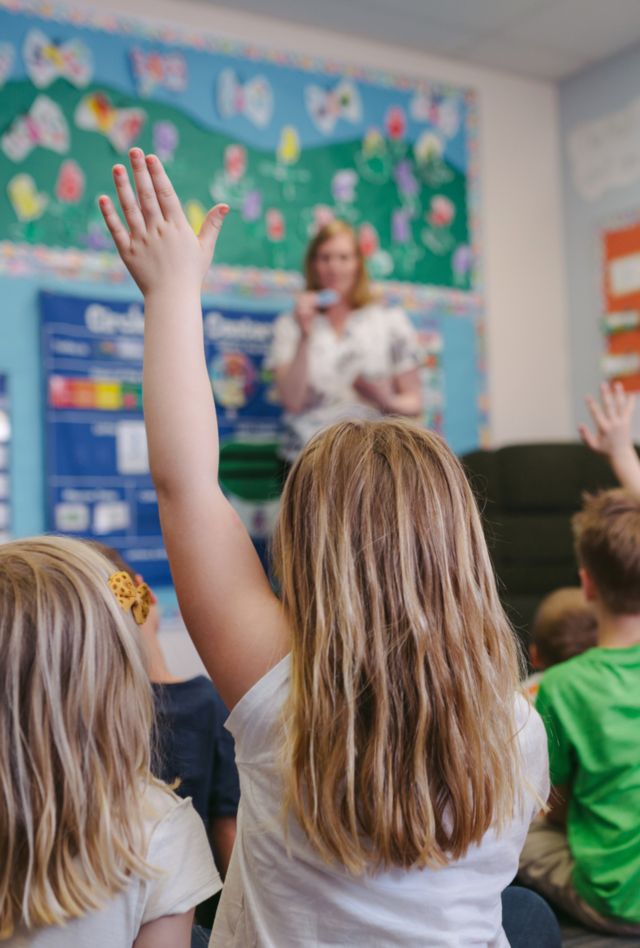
[98,394]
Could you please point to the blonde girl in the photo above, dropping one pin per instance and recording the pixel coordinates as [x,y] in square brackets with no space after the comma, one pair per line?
[95,851]
[388,771]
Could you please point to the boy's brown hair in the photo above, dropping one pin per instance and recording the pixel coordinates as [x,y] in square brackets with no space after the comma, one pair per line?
[564,625]
[607,541]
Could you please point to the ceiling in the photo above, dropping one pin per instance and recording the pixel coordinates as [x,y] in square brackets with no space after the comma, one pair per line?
[544,39]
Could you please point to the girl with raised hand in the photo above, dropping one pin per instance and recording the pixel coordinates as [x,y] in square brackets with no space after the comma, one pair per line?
[95,852]
[388,769]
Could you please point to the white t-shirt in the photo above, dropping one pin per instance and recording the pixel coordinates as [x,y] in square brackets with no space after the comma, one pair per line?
[273,898]
[178,845]
[377,342]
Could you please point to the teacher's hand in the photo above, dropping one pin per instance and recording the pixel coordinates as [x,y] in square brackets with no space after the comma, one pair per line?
[305,311]
[377,391]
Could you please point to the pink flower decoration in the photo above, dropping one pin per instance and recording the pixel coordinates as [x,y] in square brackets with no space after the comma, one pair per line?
[396,122]
[368,239]
[441,211]
[235,161]
[70,183]
[275,225]
[322,214]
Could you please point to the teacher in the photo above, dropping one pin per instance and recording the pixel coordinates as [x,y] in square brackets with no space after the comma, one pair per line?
[340,354]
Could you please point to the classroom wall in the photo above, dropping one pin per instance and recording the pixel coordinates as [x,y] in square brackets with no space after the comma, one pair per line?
[524,267]
[521,229]
[594,94]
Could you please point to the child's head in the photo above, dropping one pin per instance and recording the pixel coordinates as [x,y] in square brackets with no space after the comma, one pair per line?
[152,624]
[404,665]
[75,722]
[607,540]
[563,626]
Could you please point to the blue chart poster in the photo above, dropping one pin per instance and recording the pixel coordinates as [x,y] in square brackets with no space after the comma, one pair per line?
[98,481]
[5,442]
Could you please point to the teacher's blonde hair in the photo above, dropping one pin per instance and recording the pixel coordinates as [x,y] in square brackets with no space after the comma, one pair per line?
[362,292]
[75,731]
[401,735]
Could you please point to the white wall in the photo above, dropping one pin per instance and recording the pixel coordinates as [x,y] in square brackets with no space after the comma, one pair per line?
[527,329]
[599,93]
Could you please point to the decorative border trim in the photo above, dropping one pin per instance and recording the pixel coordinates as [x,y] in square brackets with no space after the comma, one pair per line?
[164,31]
[19,260]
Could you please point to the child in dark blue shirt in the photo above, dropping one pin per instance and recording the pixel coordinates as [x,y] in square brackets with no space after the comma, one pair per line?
[192,744]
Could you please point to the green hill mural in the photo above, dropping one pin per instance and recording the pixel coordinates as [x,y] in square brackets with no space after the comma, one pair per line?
[409,206]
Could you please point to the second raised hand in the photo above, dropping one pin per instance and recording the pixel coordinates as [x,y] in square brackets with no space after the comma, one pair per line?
[612,421]
[159,247]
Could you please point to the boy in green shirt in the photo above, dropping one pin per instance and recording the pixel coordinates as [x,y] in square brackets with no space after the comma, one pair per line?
[585,854]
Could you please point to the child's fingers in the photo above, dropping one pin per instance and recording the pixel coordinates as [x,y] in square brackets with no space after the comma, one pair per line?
[167,197]
[120,236]
[621,398]
[596,413]
[587,437]
[211,227]
[144,188]
[128,203]
[607,397]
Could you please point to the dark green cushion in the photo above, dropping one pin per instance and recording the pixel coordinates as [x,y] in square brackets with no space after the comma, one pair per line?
[527,495]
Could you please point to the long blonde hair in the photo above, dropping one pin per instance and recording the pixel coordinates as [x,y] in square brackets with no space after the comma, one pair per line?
[75,722]
[362,292]
[401,718]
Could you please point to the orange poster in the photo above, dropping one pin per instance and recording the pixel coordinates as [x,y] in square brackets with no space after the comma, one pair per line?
[621,290]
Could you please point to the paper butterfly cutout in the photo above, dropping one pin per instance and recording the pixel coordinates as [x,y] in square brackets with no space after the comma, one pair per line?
[6,61]
[130,596]
[44,125]
[25,198]
[325,107]
[158,69]
[253,100]
[442,113]
[121,127]
[46,61]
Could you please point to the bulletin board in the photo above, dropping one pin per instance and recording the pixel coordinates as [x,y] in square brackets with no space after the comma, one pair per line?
[288,141]
[97,471]
[620,244]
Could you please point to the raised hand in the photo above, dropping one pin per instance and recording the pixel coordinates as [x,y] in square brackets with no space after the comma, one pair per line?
[159,248]
[612,420]
[306,310]
[612,436]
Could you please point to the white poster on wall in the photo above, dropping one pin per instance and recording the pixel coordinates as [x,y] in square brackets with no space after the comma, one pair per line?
[605,153]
